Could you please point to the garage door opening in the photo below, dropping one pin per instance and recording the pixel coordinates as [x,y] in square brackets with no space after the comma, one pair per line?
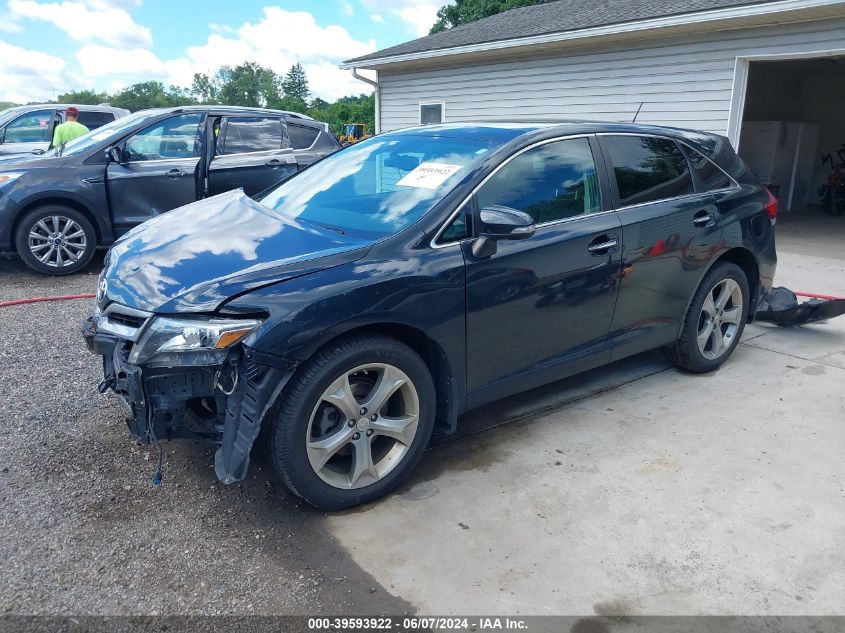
[793,137]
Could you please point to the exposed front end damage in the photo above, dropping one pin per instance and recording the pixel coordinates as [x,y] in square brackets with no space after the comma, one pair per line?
[223,403]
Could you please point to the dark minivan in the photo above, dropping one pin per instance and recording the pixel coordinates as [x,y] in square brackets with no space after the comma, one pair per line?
[354,308]
[56,209]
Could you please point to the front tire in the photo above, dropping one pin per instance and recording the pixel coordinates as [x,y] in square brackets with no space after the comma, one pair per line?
[55,240]
[353,422]
[715,320]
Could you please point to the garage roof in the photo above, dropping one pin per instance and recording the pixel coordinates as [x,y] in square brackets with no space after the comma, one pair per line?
[552,17]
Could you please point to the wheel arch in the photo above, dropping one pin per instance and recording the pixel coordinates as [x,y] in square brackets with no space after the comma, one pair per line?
[746,260]
[74,204]
[449,398]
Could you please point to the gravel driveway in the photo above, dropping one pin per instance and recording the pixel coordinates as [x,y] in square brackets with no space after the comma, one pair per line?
[86,532]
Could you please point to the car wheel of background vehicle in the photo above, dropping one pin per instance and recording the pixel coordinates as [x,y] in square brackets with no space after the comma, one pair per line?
[353,422]
[715,321]
[55,240]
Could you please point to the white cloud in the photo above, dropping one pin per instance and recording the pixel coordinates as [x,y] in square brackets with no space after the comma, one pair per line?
[418,17]
[318,48]
[86,20]
[377,18]
[347,8]
[29,75]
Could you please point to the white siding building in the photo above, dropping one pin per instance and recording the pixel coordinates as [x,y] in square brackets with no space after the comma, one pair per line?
[669,62]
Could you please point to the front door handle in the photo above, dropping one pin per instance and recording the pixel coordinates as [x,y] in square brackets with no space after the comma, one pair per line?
[175,173]
[273,163]
[603,245]
[704,219]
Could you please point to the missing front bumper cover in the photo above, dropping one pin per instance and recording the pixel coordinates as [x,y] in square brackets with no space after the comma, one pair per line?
[223,404]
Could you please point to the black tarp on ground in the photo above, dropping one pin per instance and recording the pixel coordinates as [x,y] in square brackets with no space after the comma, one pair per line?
[781,306]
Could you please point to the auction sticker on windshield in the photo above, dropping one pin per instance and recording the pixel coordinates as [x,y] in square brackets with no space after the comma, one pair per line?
[428,175]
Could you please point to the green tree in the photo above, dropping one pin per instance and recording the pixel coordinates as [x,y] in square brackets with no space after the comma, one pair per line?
[465,11]
[295,87]
[6,104]
[248,84]
[83,97]
[205,89]
[150,94]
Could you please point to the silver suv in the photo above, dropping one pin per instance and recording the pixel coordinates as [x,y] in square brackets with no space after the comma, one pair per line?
[29,129]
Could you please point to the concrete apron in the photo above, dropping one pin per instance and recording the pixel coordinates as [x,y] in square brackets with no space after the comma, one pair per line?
[663,493]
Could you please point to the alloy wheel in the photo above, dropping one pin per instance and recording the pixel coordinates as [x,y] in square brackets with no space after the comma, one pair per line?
[57,241]
[363,426]
[719,320]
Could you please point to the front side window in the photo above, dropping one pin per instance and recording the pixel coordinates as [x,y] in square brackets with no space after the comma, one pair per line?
[431,113]
[712,177]
[378,186]
[32,127]
[175,137]
[550,182]
[252,134]
[648,168]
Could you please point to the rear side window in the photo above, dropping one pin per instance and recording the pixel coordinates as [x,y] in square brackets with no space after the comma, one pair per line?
[93,120]
[252,134]
[302,137]
[648,168]
[32,127]
[550,182]
[712,177]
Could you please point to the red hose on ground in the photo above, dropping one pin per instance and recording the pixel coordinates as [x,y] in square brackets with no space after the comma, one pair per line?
[815,296]
[19,302]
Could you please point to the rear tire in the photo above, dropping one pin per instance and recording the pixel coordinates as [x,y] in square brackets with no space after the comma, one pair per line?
[55,240]
[353,422]
[715,321]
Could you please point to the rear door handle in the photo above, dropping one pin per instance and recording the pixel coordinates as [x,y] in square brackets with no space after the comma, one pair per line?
[603,245]
[704,219]
[175,173]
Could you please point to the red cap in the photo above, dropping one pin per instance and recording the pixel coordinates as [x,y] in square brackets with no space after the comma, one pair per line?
[72,111]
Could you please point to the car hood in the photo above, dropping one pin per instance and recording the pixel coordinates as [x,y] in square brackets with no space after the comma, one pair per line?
[22,162]
[194,258]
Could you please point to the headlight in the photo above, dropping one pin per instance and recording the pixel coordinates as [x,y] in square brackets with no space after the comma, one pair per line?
[8,177]
[197,341]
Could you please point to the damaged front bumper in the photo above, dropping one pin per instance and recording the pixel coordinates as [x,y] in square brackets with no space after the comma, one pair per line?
[224,404]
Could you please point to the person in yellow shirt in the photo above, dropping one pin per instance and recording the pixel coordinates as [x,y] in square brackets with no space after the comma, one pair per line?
[70,129]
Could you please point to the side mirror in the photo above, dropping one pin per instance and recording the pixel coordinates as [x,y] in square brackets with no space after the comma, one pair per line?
[501,223]
[114,155]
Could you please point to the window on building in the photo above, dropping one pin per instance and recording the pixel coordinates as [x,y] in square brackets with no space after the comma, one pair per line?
[648,168]
[431,113]
[550,182]
[252,134]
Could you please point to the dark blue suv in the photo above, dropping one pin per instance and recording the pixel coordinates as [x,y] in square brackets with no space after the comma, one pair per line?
[386,289]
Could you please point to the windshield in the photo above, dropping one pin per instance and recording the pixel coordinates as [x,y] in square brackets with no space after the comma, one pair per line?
[115,128]
[378,186]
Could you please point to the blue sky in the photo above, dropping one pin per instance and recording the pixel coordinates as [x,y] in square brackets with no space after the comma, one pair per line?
[50,46]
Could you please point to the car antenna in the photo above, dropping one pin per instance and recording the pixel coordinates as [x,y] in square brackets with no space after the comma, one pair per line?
[634,120]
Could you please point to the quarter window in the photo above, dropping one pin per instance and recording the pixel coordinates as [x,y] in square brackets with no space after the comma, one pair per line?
[302,137]
[32,127]
[550,182]
[250,134]
[175,137]
[712,177]
[648,169]
[457,230]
